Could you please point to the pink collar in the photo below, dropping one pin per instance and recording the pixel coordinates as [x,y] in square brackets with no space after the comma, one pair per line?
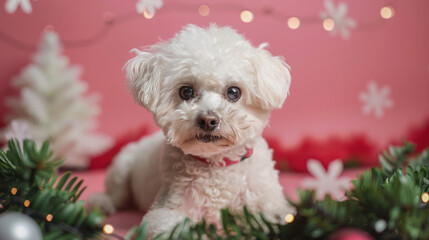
[227,161]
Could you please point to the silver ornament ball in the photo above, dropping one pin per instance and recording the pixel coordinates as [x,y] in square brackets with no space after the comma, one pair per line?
[18,226]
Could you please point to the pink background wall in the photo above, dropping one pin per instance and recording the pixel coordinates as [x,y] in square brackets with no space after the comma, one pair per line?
[328,72]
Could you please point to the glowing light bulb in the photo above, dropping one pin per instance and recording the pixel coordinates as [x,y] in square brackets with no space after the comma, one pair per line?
[13,191]
[425,197]
[147,15]
[328,24]
[293,22]
[204,10]
[49,217]
[387,12]
[246,16]
[289,218]
[27,203]
[108,229]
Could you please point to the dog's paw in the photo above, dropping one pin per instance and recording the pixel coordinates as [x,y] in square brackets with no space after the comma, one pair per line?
[102,202]
[278,215]
[162,220]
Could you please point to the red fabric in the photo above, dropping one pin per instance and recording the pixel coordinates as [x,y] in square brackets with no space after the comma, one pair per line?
[229,162]
[420,136]
[357,149]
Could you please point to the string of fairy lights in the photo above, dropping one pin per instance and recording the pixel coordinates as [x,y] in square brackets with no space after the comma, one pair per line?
[111,20]
[108,229]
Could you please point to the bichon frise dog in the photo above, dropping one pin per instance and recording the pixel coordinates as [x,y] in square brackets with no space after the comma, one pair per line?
[211,92]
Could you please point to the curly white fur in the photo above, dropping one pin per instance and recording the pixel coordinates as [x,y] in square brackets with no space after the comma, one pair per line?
[159,173]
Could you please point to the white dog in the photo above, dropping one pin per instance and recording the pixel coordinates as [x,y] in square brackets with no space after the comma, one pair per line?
[211,92]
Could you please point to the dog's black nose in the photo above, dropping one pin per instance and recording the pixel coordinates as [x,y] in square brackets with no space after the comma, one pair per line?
[208,122]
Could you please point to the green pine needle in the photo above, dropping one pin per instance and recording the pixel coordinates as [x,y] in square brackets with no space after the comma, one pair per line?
[32,172]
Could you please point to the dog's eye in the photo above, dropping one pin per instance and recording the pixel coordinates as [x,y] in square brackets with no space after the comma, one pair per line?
[233,94]
[186,92]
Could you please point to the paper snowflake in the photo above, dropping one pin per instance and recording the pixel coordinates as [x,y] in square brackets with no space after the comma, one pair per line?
[338,15]
[326,182]
[18,130]
[12,5]
[375,100]
[149,6]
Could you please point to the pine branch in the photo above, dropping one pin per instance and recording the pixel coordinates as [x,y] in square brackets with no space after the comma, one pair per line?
[28,174]
[390,196]
[395,158]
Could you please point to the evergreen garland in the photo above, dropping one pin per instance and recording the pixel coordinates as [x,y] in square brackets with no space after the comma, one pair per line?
[29,184]
[386,203]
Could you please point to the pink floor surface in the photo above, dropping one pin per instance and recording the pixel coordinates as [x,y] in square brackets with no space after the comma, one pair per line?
[123,221]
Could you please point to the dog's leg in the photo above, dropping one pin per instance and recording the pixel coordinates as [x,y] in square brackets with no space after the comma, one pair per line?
[270,201]
[265,194]
[274,206]
[132,179]
[118,193]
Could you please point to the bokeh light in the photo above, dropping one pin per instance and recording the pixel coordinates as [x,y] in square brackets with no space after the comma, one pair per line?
[289,218]
[425,197]
[293,22]
[49,28]
[147,15]
[246,16]
[108,229]
[328,24]
[204,10]
[387,12]
[49,217]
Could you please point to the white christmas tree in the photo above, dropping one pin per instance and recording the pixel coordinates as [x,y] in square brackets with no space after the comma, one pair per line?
[54,106]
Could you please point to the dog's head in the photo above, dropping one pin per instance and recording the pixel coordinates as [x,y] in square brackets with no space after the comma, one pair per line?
[208,89]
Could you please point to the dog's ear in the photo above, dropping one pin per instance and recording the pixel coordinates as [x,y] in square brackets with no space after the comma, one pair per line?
[144,78]
[272,79]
